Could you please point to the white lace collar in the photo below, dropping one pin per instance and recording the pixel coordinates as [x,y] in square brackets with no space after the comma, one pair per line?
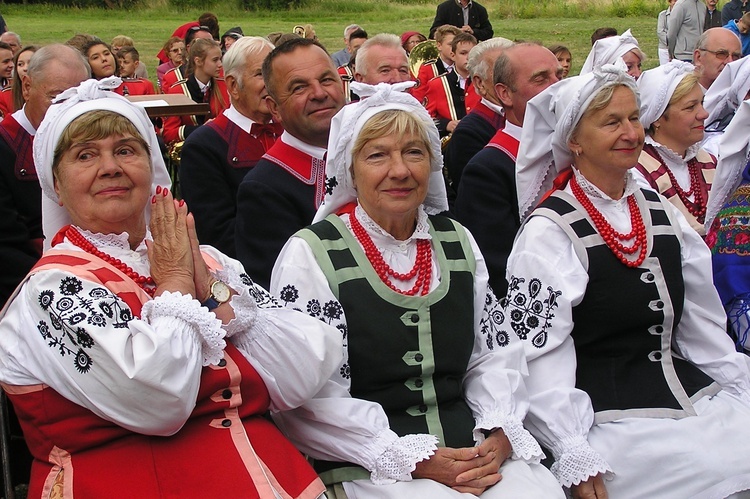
[421,231]
[119,241]
[593,191]
[670,155]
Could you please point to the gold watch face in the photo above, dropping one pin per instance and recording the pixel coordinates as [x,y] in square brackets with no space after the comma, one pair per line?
[220,292]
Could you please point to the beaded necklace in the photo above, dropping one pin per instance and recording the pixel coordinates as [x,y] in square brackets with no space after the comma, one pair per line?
[696,208]
[422,266]
[142,281]
[612,238]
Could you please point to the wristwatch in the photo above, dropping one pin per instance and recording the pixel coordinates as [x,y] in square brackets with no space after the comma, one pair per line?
[220,293]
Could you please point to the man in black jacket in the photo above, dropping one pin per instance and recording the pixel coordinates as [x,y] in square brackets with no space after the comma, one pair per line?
[733,10]
[466,15]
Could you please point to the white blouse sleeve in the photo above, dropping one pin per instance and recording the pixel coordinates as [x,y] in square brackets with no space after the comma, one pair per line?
[701,335]
[333,425]
[546,280]
[82,341]
[293,353]
[494,381]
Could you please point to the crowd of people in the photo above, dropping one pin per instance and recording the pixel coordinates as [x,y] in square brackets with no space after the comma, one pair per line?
[374,274]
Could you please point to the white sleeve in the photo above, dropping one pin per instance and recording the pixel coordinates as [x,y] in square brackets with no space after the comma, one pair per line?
[701,335]
[293,353]
[494,381]
[333,425]
[545,281]
[81,340]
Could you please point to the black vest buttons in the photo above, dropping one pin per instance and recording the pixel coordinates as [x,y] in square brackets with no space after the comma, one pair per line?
[419,383]
[659,329]
[423,408]
[227,394]
[226,423]
[660,304]
[415,318]
[419,357]
[649,277]
[222,362]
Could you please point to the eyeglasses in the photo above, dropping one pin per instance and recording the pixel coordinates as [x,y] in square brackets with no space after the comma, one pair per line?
[723,54]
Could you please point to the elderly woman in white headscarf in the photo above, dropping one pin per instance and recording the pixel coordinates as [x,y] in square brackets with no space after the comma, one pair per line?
[673,162]
[634,385]
[429,400]
[609,50]
[139,363]
[722,99]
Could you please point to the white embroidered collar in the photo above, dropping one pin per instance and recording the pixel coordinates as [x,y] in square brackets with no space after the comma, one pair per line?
[421,231]
[670,155]
[593,191]
[119,241]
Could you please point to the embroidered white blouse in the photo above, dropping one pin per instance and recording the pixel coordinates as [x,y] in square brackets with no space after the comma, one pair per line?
[562,415]
[144,373]
[335,426]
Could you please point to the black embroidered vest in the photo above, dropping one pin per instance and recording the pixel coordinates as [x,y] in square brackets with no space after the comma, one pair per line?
[625,323]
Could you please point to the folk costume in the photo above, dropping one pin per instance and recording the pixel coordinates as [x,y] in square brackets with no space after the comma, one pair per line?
[6,102]
[660,392]
[396,396]
[214,160]
[347,76]
[684,181]
[448,98]
[609,50]
[117,391]
[428,71]
[20,203]
[177,128]
[135,86]
[487,202]
[727,225]
[470,136]
[473,15]
[722,100]
[278,197]
[172,76]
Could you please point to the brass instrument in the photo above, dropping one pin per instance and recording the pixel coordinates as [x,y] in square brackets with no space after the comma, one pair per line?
[299,30]
[421,53]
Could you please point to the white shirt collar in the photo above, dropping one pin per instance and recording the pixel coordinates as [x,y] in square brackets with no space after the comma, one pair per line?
[493,106]
[23,120]
[238,118]
[513,130]
[203,86]
[314,151]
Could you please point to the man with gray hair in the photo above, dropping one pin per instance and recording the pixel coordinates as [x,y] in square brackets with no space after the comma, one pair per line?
[52,70]
[487,200]
[13,40]
[341,58]
[476,129]
[382,59]
[716,48]
[216,156]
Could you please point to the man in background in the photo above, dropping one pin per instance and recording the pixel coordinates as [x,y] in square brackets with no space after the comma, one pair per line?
[467,15]
[341,58]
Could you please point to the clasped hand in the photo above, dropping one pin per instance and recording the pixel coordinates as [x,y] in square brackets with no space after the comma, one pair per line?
[174,254]
[470,469]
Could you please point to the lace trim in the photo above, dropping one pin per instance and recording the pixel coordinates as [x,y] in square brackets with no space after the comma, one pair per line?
[243,305]
[106,240]
[576,461]
[525,447]
[672,156]
[205,325]
[421,230]
[591,190]
[401,458]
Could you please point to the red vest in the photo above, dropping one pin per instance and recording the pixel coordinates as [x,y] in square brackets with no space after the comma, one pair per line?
[305,168]
[506,143]
[227,448]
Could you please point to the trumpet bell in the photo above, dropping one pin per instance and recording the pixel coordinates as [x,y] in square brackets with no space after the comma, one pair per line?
[421,53]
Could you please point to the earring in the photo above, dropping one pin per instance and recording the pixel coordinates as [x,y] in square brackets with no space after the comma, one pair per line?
[577,152]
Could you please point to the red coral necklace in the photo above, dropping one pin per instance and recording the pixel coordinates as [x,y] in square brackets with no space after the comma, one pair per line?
[696,208]
[611,237]
[422,266]
[146,283]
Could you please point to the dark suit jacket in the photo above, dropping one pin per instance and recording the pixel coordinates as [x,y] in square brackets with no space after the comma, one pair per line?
[449,12]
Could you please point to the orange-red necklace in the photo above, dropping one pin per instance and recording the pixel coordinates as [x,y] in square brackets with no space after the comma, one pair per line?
[612,238]
[146,283]
[696,208]
[422,266]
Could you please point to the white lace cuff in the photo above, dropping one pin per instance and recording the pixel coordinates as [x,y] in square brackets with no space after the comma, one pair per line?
[525,447]
[243,305]
[401,458]
[576,461]
[205,325]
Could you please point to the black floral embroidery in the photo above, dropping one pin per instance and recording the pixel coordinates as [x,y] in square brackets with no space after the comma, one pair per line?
[313,308]
[531,311]
[345,371]
[344,330]
[332,310]
[289,294]
[491,323]
[71,311]
[331,183]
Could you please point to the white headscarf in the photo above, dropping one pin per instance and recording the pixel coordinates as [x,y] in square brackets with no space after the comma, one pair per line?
[548,126]
[657,86]
[346,126]
[91,95]
[730,88]
[609,50]
[734,152]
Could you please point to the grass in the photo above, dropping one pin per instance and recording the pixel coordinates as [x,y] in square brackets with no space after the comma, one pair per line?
[570,22]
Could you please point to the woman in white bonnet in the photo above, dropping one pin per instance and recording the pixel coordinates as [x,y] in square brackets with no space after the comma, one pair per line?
[634,385]
[609,50]
[429,400]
